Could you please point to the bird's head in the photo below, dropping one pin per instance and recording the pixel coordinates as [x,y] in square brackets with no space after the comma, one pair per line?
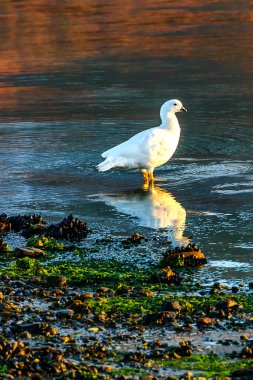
[171,106]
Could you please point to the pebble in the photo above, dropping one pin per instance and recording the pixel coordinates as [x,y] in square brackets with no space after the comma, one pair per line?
[32,252]
[171,306]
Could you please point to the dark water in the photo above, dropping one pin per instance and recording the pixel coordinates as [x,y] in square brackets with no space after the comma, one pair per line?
[78,77]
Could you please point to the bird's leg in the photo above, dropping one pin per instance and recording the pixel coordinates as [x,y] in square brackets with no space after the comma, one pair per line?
[145,176]
[151,176]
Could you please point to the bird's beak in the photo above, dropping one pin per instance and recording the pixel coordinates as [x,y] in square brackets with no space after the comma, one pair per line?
[183,109]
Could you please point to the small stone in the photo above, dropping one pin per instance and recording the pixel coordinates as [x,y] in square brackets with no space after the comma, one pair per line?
[230,304]
[25,335]
[32,252]
[206,321]
[86,296]
[244,337]
[251,285]
[65,313]
[144,293]
[167,276]
[214,291]
[103,289]
[235,289]
[171,306]
[93,329]
[55,281]
[37,328]
[36,376]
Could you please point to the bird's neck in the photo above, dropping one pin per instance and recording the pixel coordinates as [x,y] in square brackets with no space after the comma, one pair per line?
[170,122]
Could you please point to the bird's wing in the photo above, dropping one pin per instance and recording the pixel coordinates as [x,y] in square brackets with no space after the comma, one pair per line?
[132,146]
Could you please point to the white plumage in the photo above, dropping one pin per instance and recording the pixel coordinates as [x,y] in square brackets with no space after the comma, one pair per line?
[150,148]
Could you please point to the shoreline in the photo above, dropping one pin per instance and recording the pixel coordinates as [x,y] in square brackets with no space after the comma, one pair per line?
[65,315]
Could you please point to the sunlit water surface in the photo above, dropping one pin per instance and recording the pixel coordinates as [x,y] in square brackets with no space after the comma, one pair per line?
[80,77]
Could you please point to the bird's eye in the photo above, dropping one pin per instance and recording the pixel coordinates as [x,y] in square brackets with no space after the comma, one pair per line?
[175,104]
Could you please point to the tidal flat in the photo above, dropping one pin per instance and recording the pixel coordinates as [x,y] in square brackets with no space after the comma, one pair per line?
[70,312]
[110,299]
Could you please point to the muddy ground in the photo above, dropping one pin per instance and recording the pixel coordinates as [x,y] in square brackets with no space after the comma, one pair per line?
[69,312]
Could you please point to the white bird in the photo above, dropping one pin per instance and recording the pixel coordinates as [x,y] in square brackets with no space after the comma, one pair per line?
[150,148]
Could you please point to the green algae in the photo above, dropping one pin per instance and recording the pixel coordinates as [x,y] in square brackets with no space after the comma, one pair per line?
[127,371]
[3,369]
[25,267]
[142,305]
[46,243]
[124,281]
[89,376]
[206,365]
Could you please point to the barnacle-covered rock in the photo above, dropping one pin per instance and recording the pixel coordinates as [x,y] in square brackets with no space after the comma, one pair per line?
[167,276]
[5,224]
[135,239]
[69,228]
[247,351]
[189,256]
[4,248]
[28,225]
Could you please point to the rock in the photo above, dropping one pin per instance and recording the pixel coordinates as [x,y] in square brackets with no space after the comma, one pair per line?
[184,257]
[171,306]
[36,376]
[206,321]
[55,281]
[214,291]
[28,224]
[5,225]
[37,328]
[103,289]
[25,335]
[160,318]
[228,305]
[135,239]
[183,350]
[69,228]
[144,293]
[242,374]
[77,306]
[4,248]
[86,296]
[32,252]
[6,307]
[65,313]
[167,276]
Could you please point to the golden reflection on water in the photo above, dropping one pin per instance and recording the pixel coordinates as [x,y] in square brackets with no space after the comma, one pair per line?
[38,37]
[43,35]
[154,208]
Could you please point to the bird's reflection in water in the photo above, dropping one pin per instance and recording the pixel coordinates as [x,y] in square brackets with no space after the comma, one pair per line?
[155,208]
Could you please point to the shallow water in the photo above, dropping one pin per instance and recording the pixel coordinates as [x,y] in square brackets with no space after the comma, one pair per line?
[78,78]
